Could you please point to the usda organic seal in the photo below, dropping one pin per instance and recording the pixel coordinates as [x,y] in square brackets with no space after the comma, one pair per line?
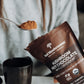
[75,71]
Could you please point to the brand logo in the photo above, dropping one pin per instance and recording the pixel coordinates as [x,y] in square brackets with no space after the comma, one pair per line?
[49,45]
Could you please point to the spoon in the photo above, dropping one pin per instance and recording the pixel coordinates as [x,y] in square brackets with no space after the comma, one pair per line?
[25,26]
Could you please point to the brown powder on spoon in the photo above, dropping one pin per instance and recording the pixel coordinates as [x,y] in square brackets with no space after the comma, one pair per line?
[28,25]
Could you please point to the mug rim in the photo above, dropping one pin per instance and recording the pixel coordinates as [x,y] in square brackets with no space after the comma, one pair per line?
[17,62]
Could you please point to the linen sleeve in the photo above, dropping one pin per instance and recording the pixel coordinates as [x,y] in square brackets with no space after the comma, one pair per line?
[3,48]
[68,12]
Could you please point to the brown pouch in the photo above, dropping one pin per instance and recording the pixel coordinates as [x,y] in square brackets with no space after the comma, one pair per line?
[60,51]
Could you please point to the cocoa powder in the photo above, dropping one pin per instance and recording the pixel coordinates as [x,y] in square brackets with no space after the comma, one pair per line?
[28,25]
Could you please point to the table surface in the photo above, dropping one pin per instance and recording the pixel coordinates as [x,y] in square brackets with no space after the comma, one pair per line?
[39,80]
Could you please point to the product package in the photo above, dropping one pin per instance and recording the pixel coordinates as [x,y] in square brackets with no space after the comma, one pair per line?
[60,51]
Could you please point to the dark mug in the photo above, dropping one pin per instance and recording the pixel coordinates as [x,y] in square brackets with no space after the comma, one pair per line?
[18,70]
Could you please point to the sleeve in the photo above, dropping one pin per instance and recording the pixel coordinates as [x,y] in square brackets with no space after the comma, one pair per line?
[3,50]
[68,12]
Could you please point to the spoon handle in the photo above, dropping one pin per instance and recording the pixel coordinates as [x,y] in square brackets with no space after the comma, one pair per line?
[9,21]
